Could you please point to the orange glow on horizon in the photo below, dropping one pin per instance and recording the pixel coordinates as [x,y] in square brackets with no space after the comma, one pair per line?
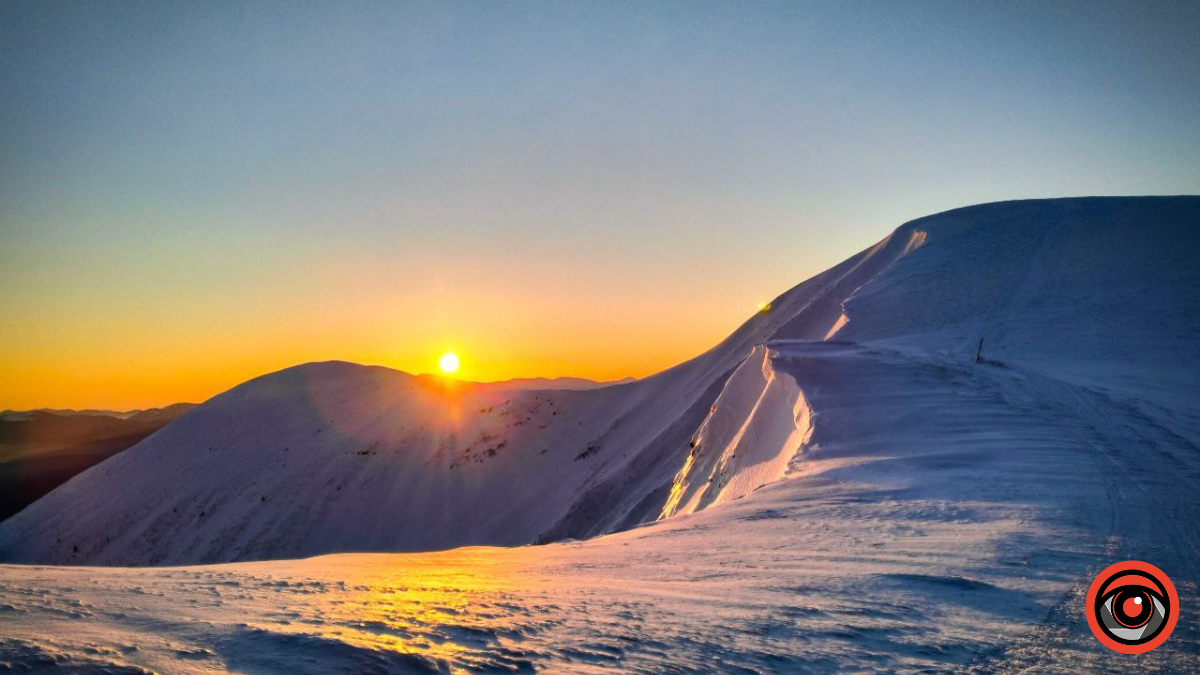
[124,369]
[187,342]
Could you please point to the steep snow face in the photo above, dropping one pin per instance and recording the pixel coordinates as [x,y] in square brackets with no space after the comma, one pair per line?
[339,457]
[757,424]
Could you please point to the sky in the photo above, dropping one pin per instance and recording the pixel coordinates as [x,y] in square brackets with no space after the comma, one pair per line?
[194,194]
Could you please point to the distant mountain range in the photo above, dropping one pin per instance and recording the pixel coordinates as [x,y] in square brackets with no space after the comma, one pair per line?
[571,383]
[171,412]
[41,449]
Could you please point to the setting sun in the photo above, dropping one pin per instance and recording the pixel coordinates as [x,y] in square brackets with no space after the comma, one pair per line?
[448,363]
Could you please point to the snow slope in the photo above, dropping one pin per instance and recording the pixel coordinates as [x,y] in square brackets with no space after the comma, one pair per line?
[837,487]
[758,422]
[328,457]
[941,516]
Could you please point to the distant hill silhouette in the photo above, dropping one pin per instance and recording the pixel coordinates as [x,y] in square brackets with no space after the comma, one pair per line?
[42,449]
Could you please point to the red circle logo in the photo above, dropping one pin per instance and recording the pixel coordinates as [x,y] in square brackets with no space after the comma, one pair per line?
[1132,607]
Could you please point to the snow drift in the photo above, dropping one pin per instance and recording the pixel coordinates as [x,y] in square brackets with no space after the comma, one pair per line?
[338,457]
[759,421]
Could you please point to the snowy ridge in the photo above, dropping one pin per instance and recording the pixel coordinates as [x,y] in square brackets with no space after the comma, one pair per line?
[339,457]
[758,423]
[878,502]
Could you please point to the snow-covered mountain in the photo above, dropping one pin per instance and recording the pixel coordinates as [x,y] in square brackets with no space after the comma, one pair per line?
[327,457]
[846,484]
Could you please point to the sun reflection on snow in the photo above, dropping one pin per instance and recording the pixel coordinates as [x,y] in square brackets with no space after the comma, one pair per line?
[456,608]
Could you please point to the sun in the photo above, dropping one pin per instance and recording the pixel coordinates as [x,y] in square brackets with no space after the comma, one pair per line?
[448,363]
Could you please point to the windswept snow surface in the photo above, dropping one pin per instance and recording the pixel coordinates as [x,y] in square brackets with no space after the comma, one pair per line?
[837,487]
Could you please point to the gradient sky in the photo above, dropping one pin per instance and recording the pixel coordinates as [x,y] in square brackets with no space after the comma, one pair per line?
[195,194]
